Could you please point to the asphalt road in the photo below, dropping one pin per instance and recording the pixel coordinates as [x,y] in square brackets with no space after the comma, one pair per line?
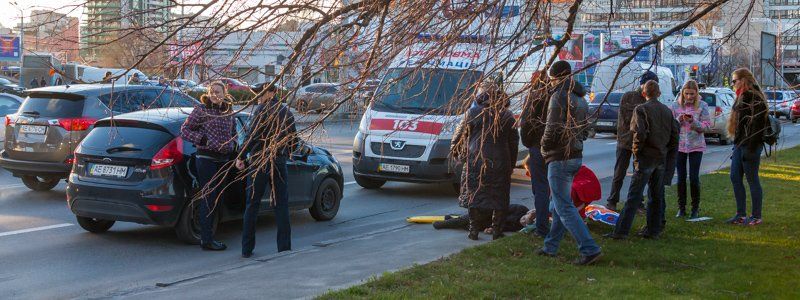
[45,254]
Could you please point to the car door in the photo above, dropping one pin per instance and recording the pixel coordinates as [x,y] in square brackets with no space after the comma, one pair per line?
[302,168]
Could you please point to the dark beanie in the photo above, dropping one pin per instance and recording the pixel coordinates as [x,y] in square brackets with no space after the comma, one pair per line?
[560,69]
[647,76]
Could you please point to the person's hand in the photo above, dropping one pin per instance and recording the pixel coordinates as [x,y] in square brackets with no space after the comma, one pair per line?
[239,164]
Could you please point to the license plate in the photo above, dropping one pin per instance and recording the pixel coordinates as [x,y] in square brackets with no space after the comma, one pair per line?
[394,168]
[605,123]
[33,129]
[108,170]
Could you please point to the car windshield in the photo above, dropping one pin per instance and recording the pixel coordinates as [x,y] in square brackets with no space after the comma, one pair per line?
[613,99]
[52,107]
[4,81]
[709,98]
[774,96]
[424,91]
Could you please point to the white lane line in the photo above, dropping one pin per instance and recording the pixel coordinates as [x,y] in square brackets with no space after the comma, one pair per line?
[612,143]
[21,231]
[11,186]
[349,183]
[795,125]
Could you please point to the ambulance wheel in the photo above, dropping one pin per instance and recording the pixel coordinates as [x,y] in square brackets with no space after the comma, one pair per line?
[369,183]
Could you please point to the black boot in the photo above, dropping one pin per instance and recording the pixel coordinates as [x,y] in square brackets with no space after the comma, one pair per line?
[695,201]
[681,199]
[497,224]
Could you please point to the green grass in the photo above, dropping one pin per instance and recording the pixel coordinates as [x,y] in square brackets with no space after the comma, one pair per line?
[691,260]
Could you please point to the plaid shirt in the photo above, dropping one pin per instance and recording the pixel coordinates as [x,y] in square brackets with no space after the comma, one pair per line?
[209,129]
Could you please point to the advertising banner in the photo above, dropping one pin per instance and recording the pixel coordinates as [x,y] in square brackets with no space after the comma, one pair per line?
[686,50]
[612,43]
[9,48]
[646,54]
[573,49]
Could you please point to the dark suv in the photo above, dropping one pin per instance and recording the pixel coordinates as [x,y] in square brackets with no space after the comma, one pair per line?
[41,137]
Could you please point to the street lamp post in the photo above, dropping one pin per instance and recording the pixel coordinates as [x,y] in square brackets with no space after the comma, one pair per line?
[21,37]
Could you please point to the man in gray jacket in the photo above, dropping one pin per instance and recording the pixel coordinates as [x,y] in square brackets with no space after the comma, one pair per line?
[562,149]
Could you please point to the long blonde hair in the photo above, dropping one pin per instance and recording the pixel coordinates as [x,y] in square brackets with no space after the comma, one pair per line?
[752,86]
[691,85]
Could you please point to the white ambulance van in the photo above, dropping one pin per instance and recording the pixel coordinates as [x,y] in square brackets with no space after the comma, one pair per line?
[406,131]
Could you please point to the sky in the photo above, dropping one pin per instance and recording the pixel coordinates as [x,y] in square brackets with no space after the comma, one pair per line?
[9,13]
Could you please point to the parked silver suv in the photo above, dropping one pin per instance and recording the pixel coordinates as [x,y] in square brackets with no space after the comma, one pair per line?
[720,102]
[41,137]
[780,102]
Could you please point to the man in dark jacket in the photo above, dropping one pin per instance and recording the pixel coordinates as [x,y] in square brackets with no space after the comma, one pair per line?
[562,149]
[628,102]
[654,135]
[532,119]
[272,136]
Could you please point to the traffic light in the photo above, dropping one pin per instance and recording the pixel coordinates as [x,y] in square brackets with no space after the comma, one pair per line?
[693,72]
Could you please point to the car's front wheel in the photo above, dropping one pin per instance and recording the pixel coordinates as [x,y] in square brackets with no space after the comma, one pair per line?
[94,225]
[369,183]
[188,227]
[326,203]
[39,184]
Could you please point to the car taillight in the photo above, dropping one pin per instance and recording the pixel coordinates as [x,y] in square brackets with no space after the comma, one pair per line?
[9,121]
[718,111]
[171,154]
[76,124]
[796,104]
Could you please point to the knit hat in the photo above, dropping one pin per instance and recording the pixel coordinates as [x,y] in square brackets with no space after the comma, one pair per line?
[560,69]
[647,76]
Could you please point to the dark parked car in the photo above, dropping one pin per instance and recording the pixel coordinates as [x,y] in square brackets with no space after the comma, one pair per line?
[138,169]
[6,86]
[41,137]
[605,120]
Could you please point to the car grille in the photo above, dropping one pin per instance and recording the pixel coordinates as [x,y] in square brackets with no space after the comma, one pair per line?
[409,151]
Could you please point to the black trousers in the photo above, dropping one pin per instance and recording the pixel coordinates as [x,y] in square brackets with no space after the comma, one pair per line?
[273,176]
[620,170]
[650,174]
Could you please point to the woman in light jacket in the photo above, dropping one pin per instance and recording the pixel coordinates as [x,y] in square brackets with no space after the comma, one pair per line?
[692,114]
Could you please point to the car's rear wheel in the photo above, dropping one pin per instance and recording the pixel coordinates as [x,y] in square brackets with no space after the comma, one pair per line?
[369,183]
[94,225]
[39,184]
[326,203]
[188,227]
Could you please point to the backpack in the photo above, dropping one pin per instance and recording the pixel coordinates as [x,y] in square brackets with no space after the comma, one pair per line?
[771,134]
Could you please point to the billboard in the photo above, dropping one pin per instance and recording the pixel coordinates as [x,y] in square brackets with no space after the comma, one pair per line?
[612,43]
[686,50]
[573,49]
[9,48]
[646,54]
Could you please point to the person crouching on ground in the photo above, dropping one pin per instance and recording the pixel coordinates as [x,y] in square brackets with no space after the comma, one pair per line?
[486,142]
[562,149]
[654,134]
[210,127]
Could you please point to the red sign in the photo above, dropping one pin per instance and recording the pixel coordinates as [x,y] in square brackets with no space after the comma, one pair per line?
[406,125]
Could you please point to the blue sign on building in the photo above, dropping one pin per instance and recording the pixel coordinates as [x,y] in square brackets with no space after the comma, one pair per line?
[9,48]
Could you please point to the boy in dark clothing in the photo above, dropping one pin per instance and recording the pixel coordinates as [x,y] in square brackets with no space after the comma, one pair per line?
[654,135]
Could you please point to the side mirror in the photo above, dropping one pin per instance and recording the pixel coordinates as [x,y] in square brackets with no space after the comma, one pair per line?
[302,152]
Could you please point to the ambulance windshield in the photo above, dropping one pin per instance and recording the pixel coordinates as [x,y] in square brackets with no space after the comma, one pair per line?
[425,91]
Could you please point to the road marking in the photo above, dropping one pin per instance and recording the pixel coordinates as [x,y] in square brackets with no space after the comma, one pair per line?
[349,183]
[11,186]
[21,231]
[612,143]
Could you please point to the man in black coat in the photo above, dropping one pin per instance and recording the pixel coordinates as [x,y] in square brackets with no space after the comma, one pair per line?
[654,135]
[272,135]
[532,119]
[562,149]
[628,102]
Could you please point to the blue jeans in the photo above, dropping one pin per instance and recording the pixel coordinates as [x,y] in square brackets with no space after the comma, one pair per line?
[745,162]
[565,216]
[649,174]
[256,187]
[541,189]
[212,189]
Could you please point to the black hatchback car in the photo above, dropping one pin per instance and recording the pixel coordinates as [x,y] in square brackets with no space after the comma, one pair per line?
[136,168]
[42,135]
